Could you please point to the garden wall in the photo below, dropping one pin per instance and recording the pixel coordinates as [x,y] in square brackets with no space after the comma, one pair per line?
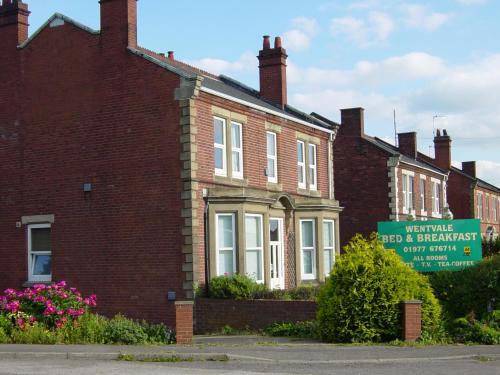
[212,315]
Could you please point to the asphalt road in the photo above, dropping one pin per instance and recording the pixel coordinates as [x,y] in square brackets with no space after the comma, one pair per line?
[33,366]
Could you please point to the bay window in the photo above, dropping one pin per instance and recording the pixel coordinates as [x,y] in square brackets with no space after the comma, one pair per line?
[308,249]
[226,244]
[328,246]
[254,247]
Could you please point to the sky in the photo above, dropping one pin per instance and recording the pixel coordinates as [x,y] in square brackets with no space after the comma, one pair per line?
[435,63]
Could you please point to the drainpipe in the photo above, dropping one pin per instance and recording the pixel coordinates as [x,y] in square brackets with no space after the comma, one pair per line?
[206,240]
[330,166]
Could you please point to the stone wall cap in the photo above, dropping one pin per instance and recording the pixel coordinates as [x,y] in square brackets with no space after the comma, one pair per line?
[412,301]
[180,303]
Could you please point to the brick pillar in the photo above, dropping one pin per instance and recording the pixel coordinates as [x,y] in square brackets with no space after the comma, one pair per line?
[184,322]
[412,320]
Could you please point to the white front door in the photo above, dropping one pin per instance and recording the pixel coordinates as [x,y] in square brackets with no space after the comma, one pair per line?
[277,261]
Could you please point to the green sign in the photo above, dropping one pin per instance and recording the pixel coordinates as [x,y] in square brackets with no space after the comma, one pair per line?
[434,245]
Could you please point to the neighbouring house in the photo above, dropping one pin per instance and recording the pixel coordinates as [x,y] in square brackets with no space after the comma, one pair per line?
[469,196]
[376,181]
[135,176]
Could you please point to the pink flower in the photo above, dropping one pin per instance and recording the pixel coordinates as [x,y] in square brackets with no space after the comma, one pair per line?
[49,310]
[61,284]
[32,320]
[60,312]
[10,292]
[39,287]
[39,299]
[12,306]
[20,322]
[61,322]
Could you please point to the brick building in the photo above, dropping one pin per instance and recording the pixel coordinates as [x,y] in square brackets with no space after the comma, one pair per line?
[131,175]
[376,181]
[469,196]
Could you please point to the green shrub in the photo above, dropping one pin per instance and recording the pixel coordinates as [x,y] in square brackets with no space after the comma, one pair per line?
[361,300]
[33,334]
[158,333]
[121,330]
[490,247]
[239,287]
[6,324]
[89,329]
[307,329]
[477,332]
[305,292]
[474,289]
[4,338]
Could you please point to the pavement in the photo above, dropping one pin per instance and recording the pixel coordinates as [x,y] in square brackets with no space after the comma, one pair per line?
[258,349]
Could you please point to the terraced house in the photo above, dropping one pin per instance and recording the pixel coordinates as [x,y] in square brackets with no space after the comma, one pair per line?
[376,181]
[135,176]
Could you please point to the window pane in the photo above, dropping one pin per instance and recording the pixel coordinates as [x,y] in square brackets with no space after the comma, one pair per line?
[42,265]
[225,231]
[300,152]
[328,234]
[218,131]
[307,261]
[274,230]
[219,158]
[226,262]
[40,239]
[312,155]
[253,262]
[328,261]
[236,135]
[312,176]
[270,168]
[307,234]
[271,145]
[253,232]
[236,161]
[301,174]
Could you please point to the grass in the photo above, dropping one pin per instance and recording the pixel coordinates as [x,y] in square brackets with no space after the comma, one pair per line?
[170,358]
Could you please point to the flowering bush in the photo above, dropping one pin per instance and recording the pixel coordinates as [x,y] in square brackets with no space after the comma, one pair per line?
[52,306]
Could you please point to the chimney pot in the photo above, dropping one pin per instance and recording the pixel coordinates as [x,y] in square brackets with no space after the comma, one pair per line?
[277,42]
[171,55]
[266,44]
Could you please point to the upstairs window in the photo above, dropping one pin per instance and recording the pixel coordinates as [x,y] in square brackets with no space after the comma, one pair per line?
[479,213]
[436,198]
[422,194]
[237,150]
[313,183]
[407,193]
[39,252]
[301,164]
[493,209]
[220,146]
[272,158]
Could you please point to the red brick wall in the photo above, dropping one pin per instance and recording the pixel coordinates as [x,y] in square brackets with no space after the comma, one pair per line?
[255,160]
[361,185]
[107,117]
[212,315]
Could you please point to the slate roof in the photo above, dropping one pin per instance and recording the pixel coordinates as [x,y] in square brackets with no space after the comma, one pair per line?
[480,182]
[393,151]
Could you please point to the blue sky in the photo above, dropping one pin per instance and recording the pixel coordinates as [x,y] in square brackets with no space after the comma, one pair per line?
[421,58]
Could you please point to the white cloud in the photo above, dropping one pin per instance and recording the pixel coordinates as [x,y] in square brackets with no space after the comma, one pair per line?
[419,17]
[247,61]
[374,29]
[299,38]
[489,171]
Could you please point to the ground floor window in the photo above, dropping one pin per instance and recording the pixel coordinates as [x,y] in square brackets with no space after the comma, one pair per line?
[308,249]
[39,252]
[254,247]
[328,245]
[226,244]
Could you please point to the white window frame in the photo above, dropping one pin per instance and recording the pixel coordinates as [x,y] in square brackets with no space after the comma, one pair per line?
[493,209]
[330,249]
[408,192]
[308,276]
[487,207]
[273,158]
[238,150]
[32,254]
[479,205]
[222,146]
[312,166]
[436,198]
[260,249]
[301,164]
[423,195]
[233,248]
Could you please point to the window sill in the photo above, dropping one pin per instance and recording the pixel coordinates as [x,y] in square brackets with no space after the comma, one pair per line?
[29,284]
[230,181]
[274,186]
[311,193]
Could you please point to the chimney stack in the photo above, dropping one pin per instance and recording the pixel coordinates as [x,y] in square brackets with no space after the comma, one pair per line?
[14,25]
[119,23]
[442,150]
[171,55]
[408,144]
[352,122]
[272,72]
[469,167]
